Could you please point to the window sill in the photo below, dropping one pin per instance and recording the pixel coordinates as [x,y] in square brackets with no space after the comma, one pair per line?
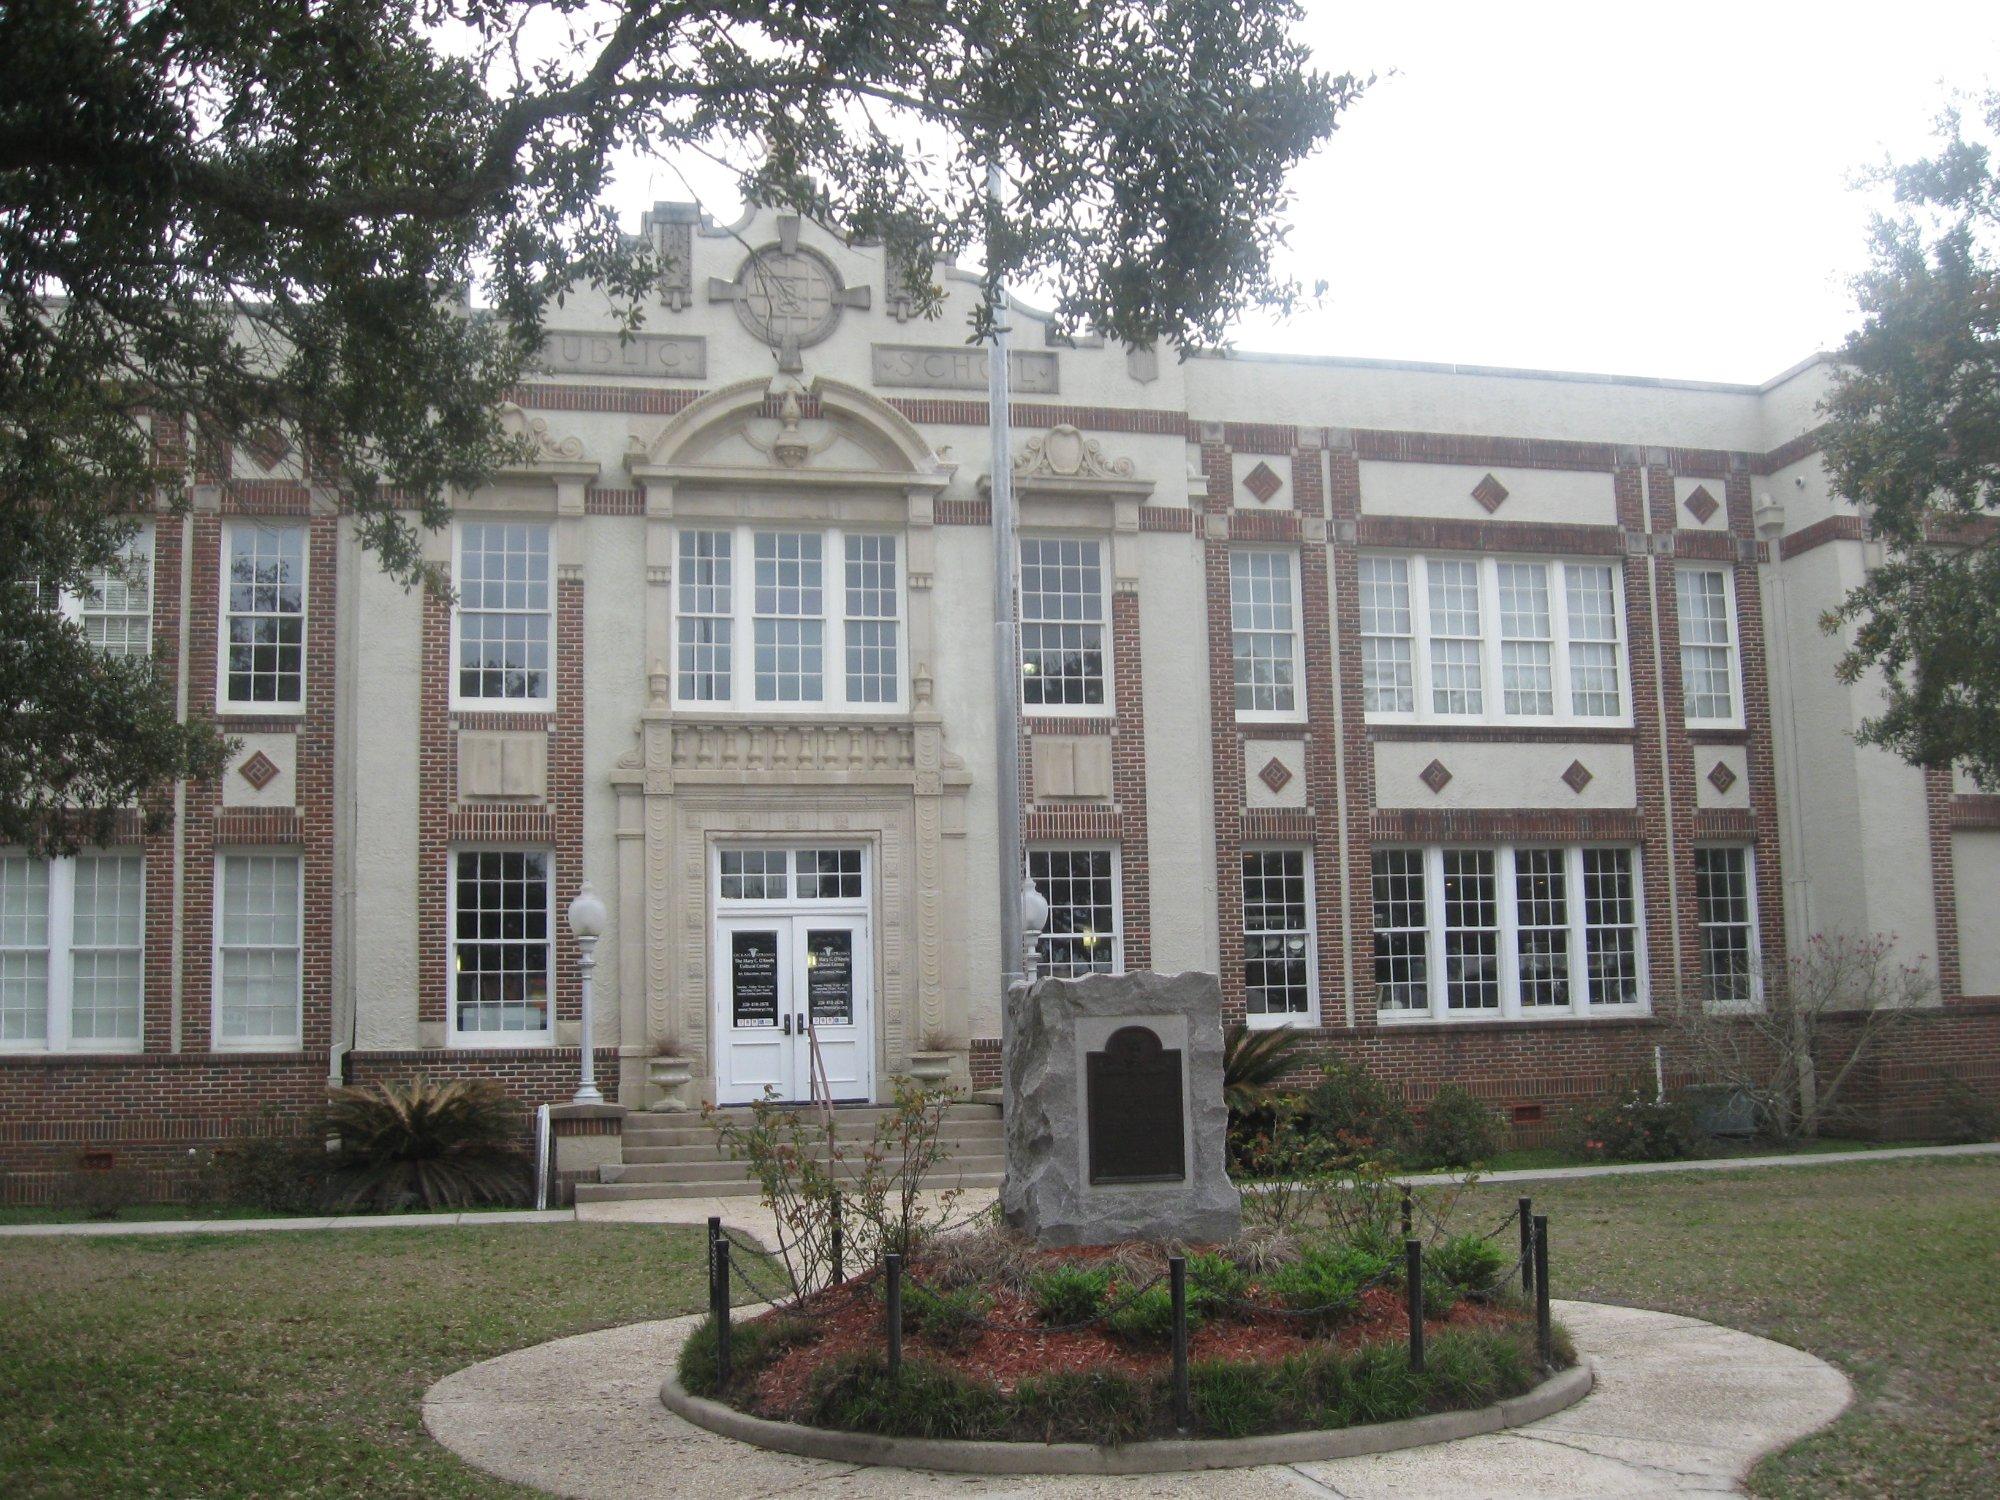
[499,1041]
[260,710]
[1600,1017]
[1299,1021]
[1402,726]
[503,706]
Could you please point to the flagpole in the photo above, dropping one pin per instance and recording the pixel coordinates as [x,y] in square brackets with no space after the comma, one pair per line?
[1006,636]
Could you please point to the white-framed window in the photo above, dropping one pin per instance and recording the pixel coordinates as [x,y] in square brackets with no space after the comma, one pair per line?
[822,613]
[264,616]
[116,608]
[1711,685]
[1280,956]
[260,918]
[1264,633]
[1064,625]
[1083,935]
[503,626]
[502,990]
[778,874]
[1490,932]
[72,952]
[1726,914]
[1461,639]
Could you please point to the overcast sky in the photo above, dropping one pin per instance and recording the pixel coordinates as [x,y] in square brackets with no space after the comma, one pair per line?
[1649,190]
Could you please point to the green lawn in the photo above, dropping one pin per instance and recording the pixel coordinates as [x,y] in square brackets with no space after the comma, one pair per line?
[1890,1271]
[1541,1158]
[294,1363]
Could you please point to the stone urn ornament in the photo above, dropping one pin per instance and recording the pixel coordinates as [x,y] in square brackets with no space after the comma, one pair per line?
[671,1073]
[931,1066]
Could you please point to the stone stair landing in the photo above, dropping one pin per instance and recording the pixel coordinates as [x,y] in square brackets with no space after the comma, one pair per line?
[681,1156]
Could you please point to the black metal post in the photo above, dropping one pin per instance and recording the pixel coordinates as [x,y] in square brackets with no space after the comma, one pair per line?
[1543,1334]
[1527,1247]
[1409,1217]
[892,1269]
[714,1234]
[720,1308]
[839,1242]
[1177,1283]
[1413,1273]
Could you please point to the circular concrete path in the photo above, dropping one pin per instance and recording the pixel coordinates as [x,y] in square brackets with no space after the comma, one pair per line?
[1681,1407]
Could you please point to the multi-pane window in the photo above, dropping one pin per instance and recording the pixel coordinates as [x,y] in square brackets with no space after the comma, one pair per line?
[1264,632]
[1471,945]
[829,874]
[500,955]
[788,616]
[1081,887]
[1448,639]
[872,619]
[505,619]
[754,873]
[705,603]
[116,610]
[1454,636]
[1528,931]
[1727,921]
[1402,931]
[1278,959]
[264,623]
[257,951]
[1388,656]
[72,935]
[821,613]
[1062,623]
[1708,645]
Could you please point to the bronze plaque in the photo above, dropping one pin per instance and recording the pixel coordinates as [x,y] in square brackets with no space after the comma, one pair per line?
[1137,1131]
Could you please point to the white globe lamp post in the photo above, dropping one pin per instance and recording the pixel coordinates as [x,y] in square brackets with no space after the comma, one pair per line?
[1034,917]
[586,924]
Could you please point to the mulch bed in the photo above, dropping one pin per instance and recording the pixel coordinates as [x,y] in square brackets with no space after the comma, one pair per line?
[849,1319]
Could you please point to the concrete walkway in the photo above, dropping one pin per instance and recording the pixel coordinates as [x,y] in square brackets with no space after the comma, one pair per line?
[266,1226]
[1712,1164]
[1681,1407]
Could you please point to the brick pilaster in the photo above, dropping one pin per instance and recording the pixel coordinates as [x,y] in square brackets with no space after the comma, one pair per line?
[1944,882]
[1760,753]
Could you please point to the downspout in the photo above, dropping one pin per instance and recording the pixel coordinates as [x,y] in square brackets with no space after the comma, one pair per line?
[347,813]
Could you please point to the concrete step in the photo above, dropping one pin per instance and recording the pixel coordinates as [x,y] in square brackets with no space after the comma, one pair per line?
[713,1171]
[648,1150]
[643,1192]
[846,1116]
[707,1136]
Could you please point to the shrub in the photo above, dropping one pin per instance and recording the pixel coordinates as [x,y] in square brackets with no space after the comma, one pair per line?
[1231,1400]
[1311,1388]
[1467,1264]
[421,1144]
[1328,1282]
[1352,1107]
[1148,1318]
[1068,1294]
[1104,1407]
[1213,1282]
[858,1394]
[281,1174]
[1465,1369]
[1381,1386]
[1458,1131]
[752,1346]
[1635,1126]
[1964,1117]
[99,1192]
[951,1319]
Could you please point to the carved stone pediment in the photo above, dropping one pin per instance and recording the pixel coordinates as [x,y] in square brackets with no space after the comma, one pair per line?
[1062,461]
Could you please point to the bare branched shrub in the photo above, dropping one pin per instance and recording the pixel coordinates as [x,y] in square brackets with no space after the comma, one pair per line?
[1792,1050]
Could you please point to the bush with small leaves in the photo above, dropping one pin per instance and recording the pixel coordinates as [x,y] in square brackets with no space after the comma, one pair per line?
[1070,1293]
[1637,1125]
[1327,1283]
[1353,1108]
[951,1320]
[1466,1263]
[1147,1318]
[1213,1283]
[1457,1131]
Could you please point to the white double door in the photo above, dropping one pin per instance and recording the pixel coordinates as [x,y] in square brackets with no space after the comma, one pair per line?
[788,984]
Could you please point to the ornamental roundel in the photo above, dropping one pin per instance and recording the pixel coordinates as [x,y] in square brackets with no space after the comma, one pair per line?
[788,298]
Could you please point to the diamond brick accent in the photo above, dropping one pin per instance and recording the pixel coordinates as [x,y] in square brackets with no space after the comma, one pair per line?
[1275,774]
[1721,777]
[1435,776]
[1578,776]
[259,770]
[1263,482]
[1701,504]
[1490,493]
